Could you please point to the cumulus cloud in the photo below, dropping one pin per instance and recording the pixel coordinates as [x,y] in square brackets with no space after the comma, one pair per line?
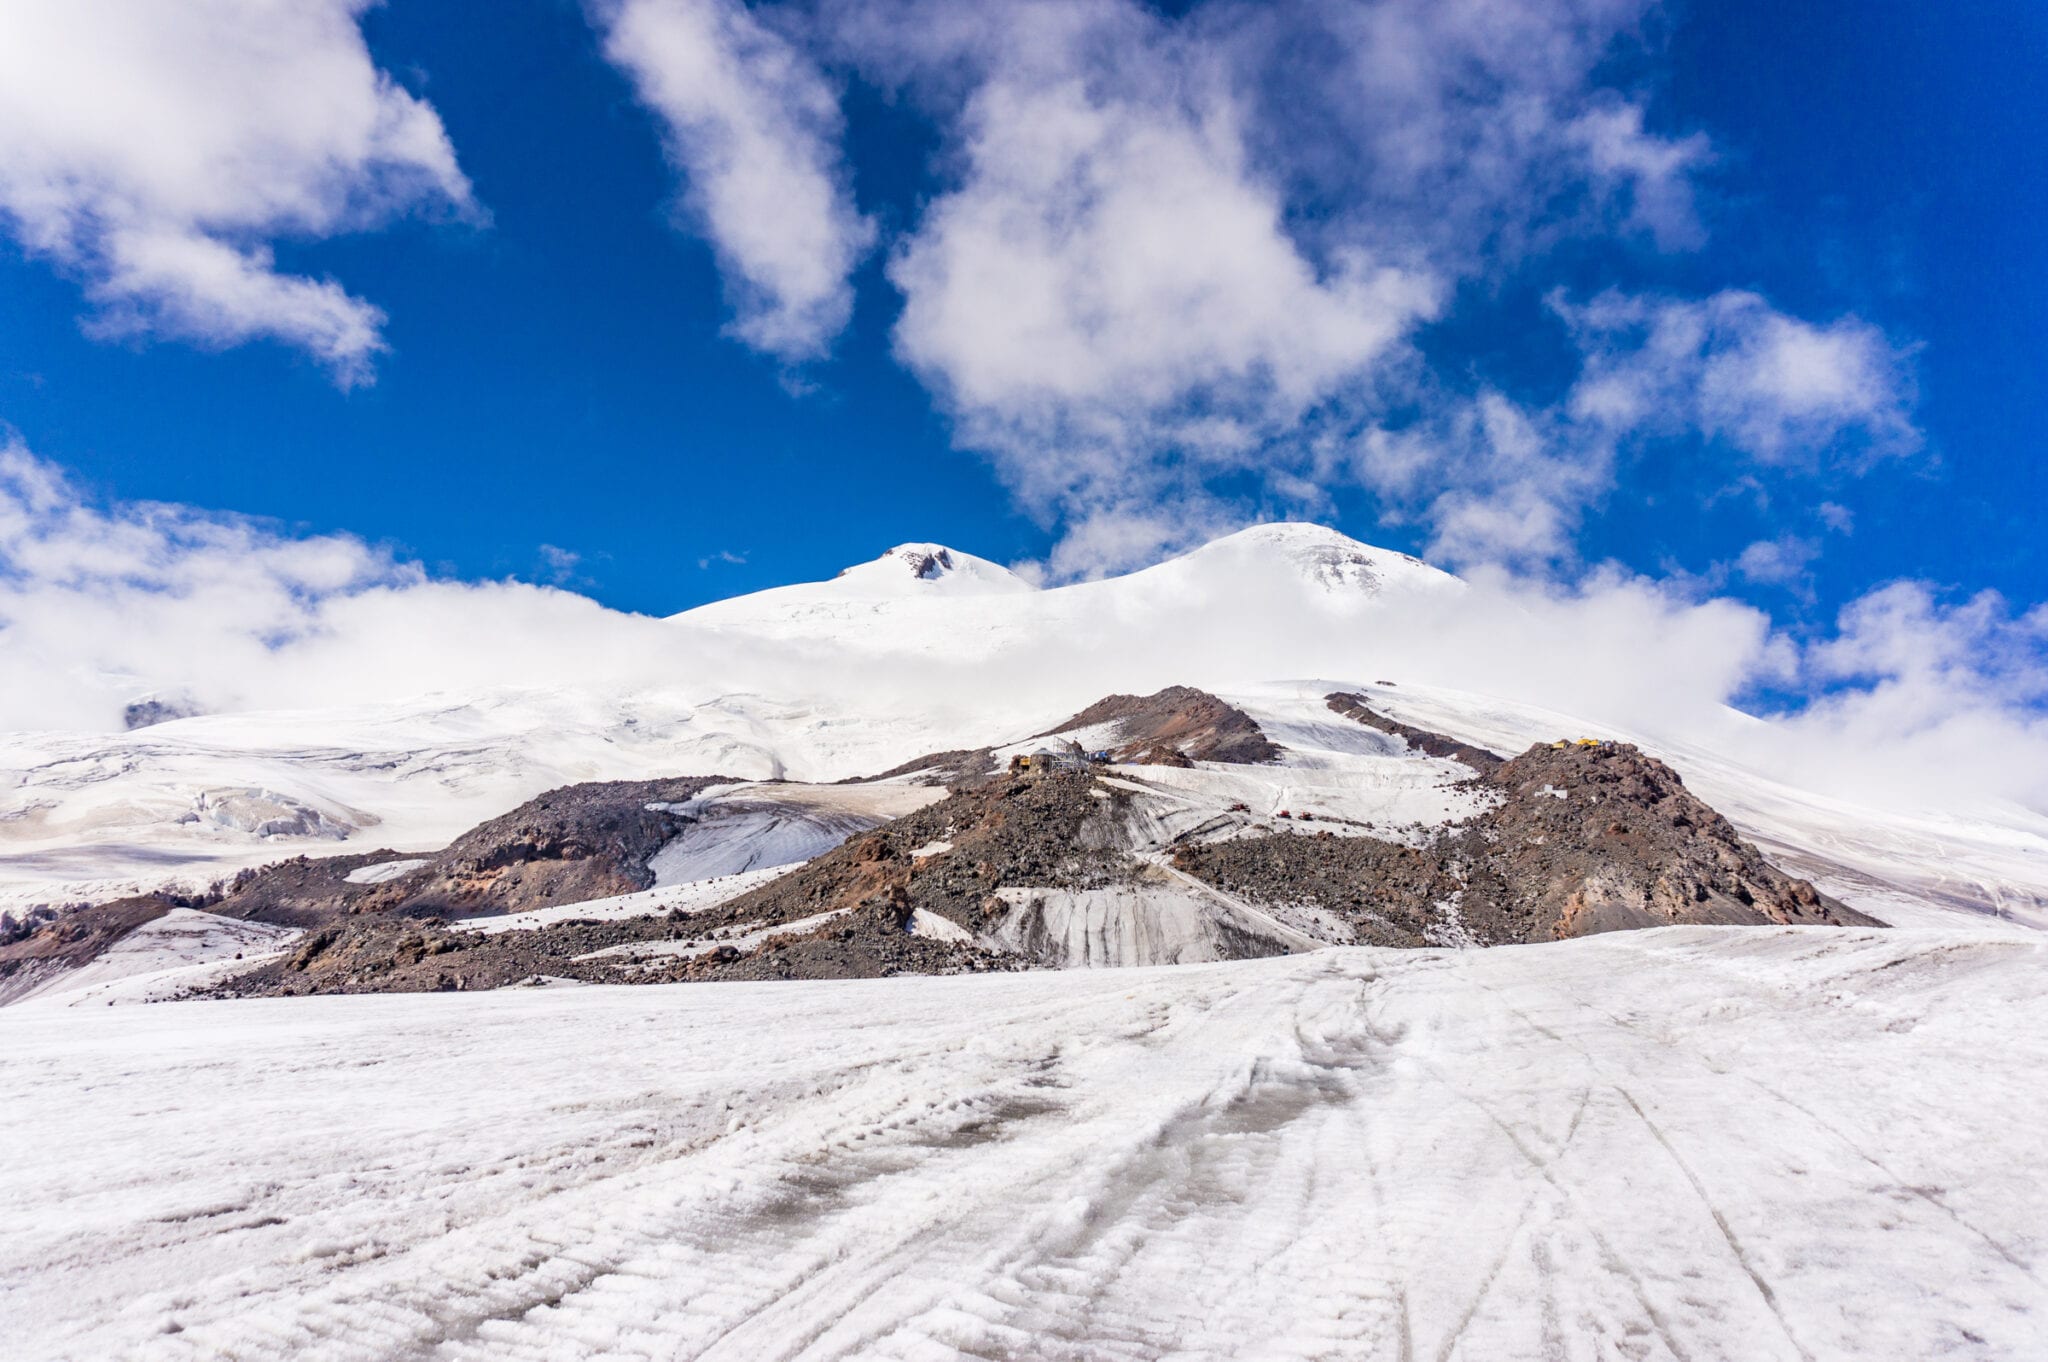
[1913,686]
[101,604]
[1173,258]
[156,151]
[1112,278]
[753,126]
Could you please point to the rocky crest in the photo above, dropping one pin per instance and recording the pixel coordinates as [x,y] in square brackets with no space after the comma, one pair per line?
[1180,720]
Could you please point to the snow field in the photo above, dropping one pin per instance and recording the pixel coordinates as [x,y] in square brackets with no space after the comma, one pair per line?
[1690,1143]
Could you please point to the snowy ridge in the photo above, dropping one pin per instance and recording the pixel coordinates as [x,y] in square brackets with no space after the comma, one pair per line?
[1685,1143]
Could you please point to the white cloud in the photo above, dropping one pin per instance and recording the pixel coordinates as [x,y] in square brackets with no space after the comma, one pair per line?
[1950,699]
[156,150]
[1172,254]
[754,127]
[1112,277]
[1656,171]
[1734,368]
[1782,561]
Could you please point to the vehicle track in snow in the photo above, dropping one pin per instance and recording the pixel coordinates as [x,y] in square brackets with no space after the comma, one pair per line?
[1569,1151]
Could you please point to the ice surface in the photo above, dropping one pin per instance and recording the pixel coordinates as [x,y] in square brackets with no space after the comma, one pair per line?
[1688,1143]
[384,870]
[752,827]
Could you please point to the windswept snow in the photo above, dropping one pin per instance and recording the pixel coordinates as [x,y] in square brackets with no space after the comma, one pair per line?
[752,827]
[384,870]
[1167,918]
[1688,1143]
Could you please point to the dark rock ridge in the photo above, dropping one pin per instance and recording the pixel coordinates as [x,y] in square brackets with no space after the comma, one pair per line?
[1174,724]
[961,766]
[1569,840]
[1579,840]
[1353,706]
[845,914]
[569,845]
[42,947]
[151,710]
[1056,831]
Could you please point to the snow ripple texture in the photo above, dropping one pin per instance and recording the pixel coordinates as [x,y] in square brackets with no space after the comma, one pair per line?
[1681,1144]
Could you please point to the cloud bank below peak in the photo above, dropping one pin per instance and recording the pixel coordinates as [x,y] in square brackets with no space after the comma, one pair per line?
[1912,696]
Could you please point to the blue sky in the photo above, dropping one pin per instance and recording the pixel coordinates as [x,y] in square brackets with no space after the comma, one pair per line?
[1859,185]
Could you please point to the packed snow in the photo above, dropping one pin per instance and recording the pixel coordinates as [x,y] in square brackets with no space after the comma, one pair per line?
[1690,1143]
[384,871]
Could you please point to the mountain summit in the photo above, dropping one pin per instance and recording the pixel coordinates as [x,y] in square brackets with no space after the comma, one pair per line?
[916,569]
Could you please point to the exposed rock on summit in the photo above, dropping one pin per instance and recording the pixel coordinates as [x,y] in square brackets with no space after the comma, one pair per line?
[1193,723]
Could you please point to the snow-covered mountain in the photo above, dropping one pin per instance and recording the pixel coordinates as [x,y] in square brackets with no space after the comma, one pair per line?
[1767,1140]
[927,648]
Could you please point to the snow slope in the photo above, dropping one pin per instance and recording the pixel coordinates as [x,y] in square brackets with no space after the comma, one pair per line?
[1679,1144]
[183,949]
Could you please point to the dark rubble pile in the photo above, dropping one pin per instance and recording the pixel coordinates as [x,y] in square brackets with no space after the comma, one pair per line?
[1576,840]
[570,845]
[1175,725]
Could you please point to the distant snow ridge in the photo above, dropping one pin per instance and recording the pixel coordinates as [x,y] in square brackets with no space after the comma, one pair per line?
[917,570]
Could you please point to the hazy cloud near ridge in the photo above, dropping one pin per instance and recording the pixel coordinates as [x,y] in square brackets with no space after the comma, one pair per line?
[156,150]
[1910,699]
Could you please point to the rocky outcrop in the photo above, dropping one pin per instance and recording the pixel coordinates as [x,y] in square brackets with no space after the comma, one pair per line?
[951,857]
[1578,840]
[569,845]
[1062,867]
[40,949]
[1180,719]
[961,766]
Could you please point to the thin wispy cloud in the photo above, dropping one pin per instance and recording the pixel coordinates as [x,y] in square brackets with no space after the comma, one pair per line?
[753,129]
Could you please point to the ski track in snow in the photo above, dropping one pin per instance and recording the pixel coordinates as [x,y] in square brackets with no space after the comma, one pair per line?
[1691,1143]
